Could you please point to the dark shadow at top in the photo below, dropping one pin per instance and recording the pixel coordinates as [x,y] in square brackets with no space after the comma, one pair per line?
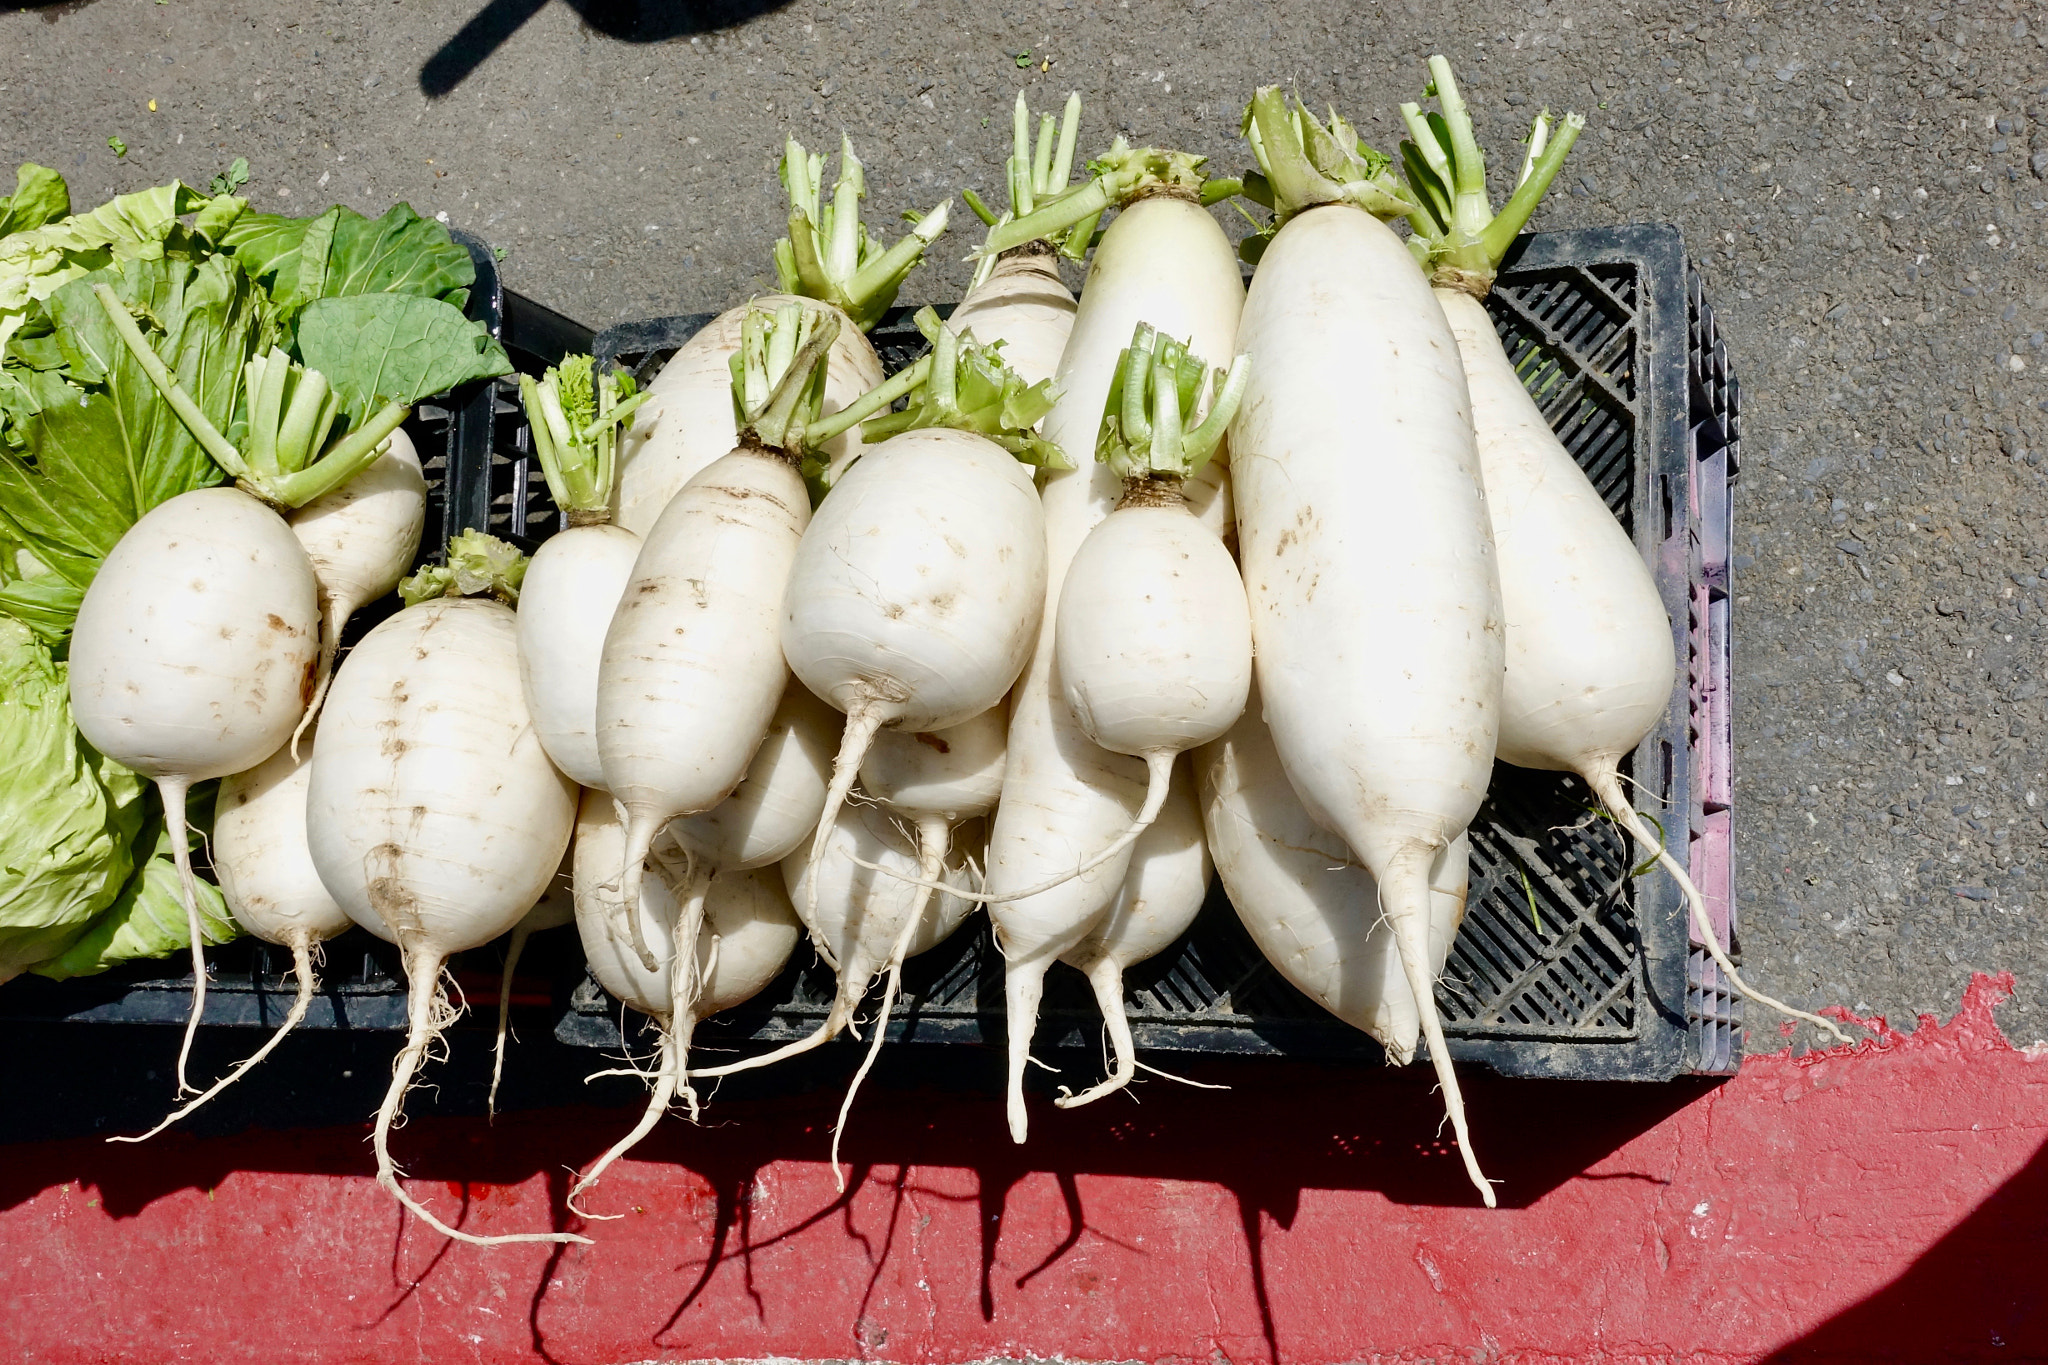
[631,21]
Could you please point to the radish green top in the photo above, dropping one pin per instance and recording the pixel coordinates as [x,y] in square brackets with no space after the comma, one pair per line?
[1156,390]
[1304,165]
[963,385]
[1035,177]
[1120,175]
[828,254]
[576,415]
[1458,237]
[285,458]
[478,565]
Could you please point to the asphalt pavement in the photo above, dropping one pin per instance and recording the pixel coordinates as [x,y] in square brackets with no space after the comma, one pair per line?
[1861,184]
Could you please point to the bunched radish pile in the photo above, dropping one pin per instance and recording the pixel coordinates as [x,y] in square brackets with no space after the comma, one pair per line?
[1104,593]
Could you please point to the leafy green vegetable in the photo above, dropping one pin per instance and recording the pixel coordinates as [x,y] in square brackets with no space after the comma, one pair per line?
[68,815]
[478,565]
[394,347]
[341,253]
[147,920]
[232,179]
[146,225]
[94,465]
[119,147]
[40,197]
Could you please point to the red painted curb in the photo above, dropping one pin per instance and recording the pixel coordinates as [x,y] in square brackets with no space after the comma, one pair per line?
[1881,1202]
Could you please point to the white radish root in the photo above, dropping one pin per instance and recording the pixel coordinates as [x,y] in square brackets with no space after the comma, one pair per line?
[1163,891]
[193,657]
[434,816]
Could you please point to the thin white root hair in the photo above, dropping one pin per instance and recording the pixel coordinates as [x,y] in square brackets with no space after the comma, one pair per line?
[1160,767]
[1408,878]
[428,1014]
[1169,1076]
[173,791]
[520,933]
[657,1105]
[302,966]
[1608,789]
[933,838]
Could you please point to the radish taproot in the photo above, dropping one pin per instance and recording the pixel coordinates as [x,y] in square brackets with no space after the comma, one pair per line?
[434,816]
[692,668]
[1163,260]
[828,263]
[1367,551]
[745,934]
[197,645]
[576,578]
[1164,887]
[270,885]
[555,909]
[866,917]
[932,782]
[1591,651]
[1306,900]
[916,590]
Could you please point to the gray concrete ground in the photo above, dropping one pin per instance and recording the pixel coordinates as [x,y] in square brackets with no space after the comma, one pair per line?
[1861,182]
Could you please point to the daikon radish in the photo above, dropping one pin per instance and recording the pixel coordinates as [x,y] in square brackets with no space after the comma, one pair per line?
[1018,298]
[692,669]
[576,578]
[915,592]
[1367,550]
[1591,651]
[197,645]
[1311,907]
[829,257]
[434,817]
[1164,261]
[361,539]
[744,936]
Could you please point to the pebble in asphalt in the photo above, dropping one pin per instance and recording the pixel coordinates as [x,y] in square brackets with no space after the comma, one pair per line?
[1863,185]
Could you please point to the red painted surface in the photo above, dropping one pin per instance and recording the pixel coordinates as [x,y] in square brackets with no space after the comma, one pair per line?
[1882,1202]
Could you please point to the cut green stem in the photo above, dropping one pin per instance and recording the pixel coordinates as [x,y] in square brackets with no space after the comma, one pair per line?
[1153,395]
[828,253]
[575,415]
[1461,241]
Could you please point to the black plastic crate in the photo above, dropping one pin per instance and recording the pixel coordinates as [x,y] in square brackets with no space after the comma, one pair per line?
[1603,981]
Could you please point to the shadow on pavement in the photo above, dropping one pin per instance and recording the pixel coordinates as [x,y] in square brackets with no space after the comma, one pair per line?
[632,21]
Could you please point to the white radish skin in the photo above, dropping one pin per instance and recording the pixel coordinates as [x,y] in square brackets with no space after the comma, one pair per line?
[916,592]
[572,587]
[267,878]
[193,657]
[1153,640]
[1305,900]
[1163,261]
[1163,891]
[1591,653]
[1025,305]
[434,816]
[555,908]
[693,668]
[775,808]
[746,933]
[687,421]
[1368,559]
[361,538]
